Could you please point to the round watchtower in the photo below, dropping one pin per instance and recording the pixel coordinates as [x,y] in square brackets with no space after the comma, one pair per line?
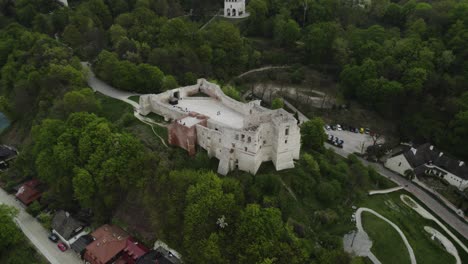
[235,9]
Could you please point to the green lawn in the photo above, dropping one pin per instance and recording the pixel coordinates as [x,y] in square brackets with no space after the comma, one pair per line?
[135,98]
[387,244]
[113,109]
[412,225]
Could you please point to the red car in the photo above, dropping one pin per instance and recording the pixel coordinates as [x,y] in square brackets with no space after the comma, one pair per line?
[62,247]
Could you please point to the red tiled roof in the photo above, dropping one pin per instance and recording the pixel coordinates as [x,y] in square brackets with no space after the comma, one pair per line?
[109,242]
[134,250]
[28,193]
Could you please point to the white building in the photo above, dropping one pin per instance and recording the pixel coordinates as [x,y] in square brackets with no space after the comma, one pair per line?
[235,9]
[240,135]
[427,160]
[67,228]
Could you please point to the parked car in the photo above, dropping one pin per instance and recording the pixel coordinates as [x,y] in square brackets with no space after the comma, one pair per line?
[333,127]
[53,237]
[338,127]
[367,130]
[361,130]
[62,247]
[327,127]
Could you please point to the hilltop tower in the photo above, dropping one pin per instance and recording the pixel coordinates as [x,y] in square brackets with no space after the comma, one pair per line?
[234,8]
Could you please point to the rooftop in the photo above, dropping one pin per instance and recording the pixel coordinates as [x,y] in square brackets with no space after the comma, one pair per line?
[189,121]
[109,242]
[66,225]
[427,153]
[214,109]
[80,245]
[29,192]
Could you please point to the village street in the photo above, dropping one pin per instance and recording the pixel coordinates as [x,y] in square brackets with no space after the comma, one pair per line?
[38,235]
[435,206]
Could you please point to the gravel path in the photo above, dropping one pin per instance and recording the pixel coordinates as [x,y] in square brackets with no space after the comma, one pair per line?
[361,230]
[449,246]
[37,234]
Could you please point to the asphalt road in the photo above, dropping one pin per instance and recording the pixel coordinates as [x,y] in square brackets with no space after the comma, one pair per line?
[437,208]
[355,140]
[38,235]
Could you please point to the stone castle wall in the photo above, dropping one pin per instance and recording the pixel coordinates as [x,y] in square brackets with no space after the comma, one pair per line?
[266,134]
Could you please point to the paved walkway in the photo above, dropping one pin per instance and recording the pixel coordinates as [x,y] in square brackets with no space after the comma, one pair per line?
[361,230]
[104,88]
[424,213]
[448,245]
[394,189]
[38,235]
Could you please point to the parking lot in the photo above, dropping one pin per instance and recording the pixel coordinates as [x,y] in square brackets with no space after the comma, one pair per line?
[354,142]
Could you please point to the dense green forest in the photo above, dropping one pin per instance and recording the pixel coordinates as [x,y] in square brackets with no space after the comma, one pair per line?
[407,60]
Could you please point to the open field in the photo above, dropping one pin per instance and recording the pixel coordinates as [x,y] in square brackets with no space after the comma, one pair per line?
[386,243]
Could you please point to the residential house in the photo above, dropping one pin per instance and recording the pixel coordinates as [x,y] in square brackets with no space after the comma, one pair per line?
[132,252]
[29,192]
[427,160]
[67,228]
[79,246]
[109,242]
[6,154]
[159,256]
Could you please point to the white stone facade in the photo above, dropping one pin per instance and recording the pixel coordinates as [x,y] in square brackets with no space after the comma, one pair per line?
[240,135]
[235,9]
[398,164]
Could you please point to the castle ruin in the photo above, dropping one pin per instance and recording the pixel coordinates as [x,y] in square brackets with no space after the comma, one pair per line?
[240,135]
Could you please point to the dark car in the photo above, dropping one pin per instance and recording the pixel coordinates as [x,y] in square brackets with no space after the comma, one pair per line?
[333,127]
[53,237]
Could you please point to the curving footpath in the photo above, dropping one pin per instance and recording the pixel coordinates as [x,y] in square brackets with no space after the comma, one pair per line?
[361,230]
[449,247]
[424,213]
[394,189]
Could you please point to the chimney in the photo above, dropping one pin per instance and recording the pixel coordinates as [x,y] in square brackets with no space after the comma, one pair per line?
[431,147]
[414,150]
[461,163]
[440,154]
